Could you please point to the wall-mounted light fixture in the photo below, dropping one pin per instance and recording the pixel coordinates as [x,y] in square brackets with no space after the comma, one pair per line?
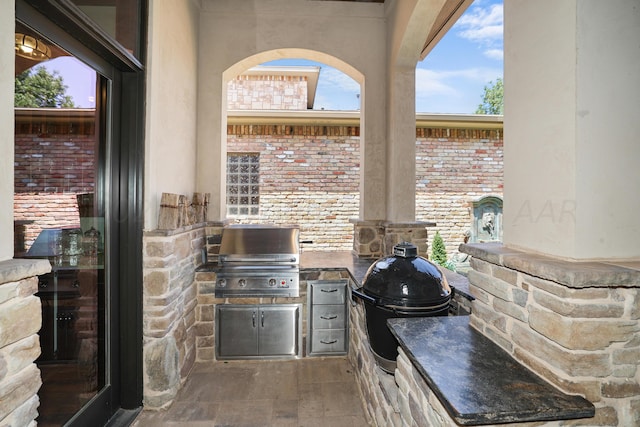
[31,48]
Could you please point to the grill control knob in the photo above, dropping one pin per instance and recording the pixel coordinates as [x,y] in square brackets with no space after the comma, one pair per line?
[242,283]
[272,282]
[222,283]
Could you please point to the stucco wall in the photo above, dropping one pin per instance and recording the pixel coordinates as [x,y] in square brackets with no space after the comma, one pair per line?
[170,140]
[571,106]
[7,61]
[354,45]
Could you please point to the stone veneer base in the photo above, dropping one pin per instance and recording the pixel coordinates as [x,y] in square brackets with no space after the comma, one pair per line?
[20,321]
[576,324]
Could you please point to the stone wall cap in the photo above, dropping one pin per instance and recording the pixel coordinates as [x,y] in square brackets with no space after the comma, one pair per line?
[17,269]
[574,274]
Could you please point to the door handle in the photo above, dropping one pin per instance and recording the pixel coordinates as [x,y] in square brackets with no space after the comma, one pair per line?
[262,319]
[253,319]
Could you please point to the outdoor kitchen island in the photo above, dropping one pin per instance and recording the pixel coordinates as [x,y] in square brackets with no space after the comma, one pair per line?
[410,397]
[448,374]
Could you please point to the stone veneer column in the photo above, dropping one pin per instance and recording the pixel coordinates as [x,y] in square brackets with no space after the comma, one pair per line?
[375,239]
[169,297]
[20,321]
[576,324]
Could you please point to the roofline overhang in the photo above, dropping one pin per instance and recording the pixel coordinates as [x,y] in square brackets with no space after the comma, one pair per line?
[288,117]
[451,11]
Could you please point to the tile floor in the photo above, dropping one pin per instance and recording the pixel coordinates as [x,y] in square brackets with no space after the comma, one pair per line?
[308,392]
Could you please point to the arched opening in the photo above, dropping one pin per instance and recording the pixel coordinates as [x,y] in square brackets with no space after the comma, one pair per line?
[289,161]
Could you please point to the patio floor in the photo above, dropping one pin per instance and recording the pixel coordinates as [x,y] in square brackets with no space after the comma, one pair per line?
[307,392]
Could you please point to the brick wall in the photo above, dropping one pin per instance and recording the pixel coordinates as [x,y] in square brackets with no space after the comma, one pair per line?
[55,159]
[269,92]
[309,175]
[453,168]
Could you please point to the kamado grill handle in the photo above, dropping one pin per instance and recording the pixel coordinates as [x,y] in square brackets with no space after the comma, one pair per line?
[364,297]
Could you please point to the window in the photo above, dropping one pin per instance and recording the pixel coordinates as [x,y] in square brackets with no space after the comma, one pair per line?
[243,184]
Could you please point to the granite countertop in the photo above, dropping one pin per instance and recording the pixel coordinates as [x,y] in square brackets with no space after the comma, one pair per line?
[477,381]
[338,260]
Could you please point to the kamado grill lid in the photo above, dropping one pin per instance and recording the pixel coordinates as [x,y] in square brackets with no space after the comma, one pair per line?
[406,279]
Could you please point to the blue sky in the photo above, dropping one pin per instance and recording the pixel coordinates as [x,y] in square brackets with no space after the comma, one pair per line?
[451,79]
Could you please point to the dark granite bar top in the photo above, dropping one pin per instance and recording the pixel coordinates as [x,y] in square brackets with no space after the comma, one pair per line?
[477,381]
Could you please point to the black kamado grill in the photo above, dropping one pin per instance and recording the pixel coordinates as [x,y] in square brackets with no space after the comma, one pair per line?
[401,285]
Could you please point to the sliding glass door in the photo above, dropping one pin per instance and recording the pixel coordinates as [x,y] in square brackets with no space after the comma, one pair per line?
[77,203]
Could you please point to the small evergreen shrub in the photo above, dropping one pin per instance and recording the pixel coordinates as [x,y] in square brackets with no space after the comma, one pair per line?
[439,253]
[438,250]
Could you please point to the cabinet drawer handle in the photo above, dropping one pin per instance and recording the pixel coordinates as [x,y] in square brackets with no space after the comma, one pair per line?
[328,342]
[328,290]
[328,317]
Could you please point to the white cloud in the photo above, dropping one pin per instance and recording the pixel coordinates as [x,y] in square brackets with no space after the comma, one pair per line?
[429,82]
[337,79]
[494,54]
[482,25]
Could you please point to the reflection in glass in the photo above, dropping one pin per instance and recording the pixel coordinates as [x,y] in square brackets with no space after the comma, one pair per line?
[59,216]
[118,18]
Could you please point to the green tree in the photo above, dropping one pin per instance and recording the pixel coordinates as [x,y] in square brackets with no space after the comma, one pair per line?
[438,250]
[39,88]
[493,99]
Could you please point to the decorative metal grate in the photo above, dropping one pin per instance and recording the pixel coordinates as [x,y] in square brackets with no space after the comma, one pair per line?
[243,184]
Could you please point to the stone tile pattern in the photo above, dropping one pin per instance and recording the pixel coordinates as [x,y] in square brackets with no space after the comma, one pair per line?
[375,239]
[20,321]
[310,392]
[170,258]
[576,324]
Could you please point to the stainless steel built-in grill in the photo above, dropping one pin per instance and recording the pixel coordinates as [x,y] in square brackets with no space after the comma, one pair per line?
[258,261]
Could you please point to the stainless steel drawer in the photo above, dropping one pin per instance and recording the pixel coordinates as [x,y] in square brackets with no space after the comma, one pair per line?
[331,292]
[329,341]
[328,317]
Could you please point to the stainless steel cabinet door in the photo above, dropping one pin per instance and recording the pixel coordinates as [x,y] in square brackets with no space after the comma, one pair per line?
[279,330]
[236,331]
[258,331]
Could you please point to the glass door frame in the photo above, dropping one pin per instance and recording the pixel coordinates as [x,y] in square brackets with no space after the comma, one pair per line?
[122,102]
